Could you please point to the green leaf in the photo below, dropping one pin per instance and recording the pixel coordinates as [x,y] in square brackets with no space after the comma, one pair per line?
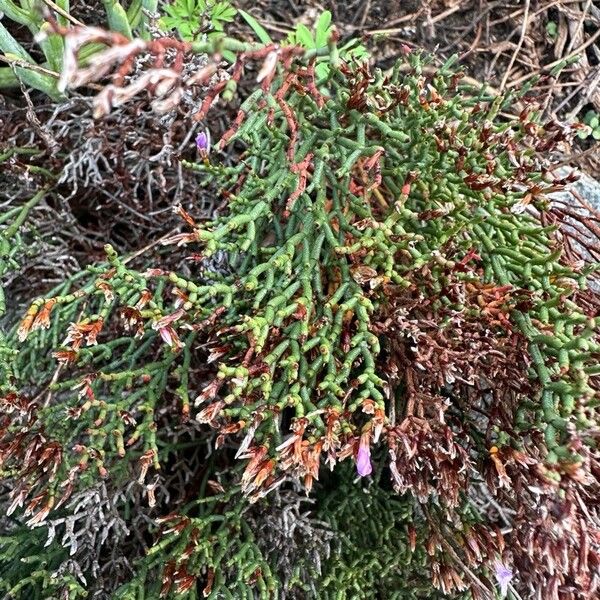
[7,78]
[166,23]
[220,14]
[39,81]
[552,29]
[591,118]
[117,18]
[258,29]
[223,11]
[52,46]
[187,29]
[563,64]
[304,37]
[355,50]
[321,71]
[8,44]
[134,13]
[229,56]
[16,13]
[188,17]
[323,29]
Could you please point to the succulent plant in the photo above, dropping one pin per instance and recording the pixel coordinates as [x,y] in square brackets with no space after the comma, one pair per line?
[386,283]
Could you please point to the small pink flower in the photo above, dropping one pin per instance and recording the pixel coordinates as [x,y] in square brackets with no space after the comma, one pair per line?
[503,576]
[203,143]
[363,458]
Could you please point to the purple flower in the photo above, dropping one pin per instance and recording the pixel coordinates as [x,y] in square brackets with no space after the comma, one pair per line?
[203,142]
[503,577]
[363,458]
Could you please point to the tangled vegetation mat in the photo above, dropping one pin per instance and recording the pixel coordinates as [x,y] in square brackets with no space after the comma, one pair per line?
[298,301]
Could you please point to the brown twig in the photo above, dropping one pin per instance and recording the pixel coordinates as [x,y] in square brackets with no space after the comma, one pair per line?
[22,64]
[519,45]
[394,22]
[63,13]
[553,64]
[593,150]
